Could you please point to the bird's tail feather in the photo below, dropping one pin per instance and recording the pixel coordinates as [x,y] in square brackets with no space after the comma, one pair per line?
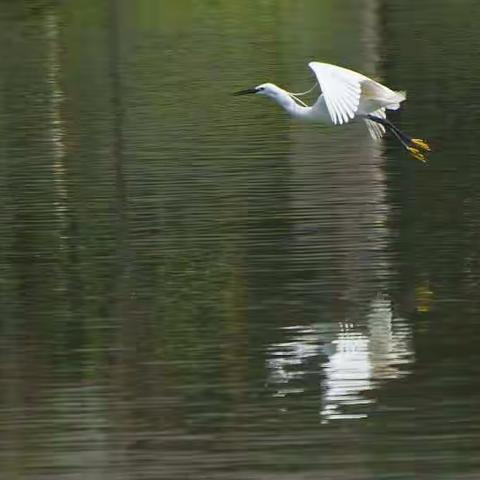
[396,100]
[374,91]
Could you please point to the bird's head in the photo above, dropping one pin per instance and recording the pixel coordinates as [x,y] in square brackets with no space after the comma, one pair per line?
[265,89]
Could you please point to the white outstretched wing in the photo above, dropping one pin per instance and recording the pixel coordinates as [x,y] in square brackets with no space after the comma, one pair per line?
[341,90]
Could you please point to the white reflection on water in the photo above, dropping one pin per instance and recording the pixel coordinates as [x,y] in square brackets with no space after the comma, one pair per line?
[56,123]
[349,360]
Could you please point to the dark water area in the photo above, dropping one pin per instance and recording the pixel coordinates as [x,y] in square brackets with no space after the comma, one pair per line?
[192,286]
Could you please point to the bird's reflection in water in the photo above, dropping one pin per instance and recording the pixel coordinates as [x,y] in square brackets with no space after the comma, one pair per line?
[350,360]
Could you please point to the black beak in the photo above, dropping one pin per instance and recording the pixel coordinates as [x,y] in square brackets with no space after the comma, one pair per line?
[246,92]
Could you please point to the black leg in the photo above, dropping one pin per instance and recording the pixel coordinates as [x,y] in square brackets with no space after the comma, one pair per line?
[403,137]
[411,144]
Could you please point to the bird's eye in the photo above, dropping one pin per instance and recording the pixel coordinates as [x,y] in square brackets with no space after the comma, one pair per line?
[261,89]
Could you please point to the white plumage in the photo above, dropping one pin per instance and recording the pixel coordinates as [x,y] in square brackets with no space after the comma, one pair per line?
[345,96]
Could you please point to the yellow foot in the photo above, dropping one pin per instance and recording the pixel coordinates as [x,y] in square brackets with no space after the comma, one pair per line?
[422,144]
[415,152]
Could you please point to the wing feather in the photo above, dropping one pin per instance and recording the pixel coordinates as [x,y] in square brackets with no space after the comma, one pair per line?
[376,130]
[341,90]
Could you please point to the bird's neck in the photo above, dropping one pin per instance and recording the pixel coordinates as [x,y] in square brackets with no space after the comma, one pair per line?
[293,108]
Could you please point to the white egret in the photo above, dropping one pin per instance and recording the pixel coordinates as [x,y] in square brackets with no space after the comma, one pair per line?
[346,96]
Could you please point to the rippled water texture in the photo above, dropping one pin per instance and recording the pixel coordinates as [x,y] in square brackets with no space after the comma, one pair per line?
[192,286]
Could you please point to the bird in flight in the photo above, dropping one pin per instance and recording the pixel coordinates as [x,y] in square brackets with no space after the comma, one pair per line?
[346,96]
